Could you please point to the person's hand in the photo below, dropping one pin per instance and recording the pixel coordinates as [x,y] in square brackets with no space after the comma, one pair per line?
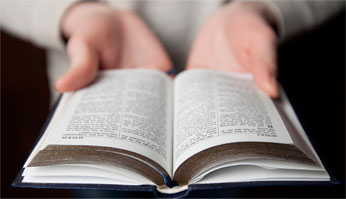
[238,38]
[101,38]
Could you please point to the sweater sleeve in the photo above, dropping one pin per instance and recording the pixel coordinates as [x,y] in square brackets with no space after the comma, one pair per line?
[294,17]
[37,21]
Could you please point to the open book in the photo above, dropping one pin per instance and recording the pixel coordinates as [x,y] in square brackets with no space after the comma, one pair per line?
[140,127]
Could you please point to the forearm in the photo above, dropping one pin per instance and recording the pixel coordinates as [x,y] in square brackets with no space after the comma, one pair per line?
[294,17]
[39,21]
[35,21]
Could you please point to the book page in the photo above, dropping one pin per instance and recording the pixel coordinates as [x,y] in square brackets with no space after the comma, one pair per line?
[124,109]
[250,173]
[86,170]
[293,125]
[213,108]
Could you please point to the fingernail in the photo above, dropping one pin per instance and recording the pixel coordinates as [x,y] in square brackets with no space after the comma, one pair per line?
[272,87]
[57,84]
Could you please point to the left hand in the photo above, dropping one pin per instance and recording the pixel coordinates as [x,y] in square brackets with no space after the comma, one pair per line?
[238,38]
[101,37]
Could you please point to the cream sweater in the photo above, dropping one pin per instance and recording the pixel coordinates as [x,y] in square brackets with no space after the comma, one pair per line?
[175,22]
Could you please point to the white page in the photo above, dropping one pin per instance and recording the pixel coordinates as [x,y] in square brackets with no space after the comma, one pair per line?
[74,180]
[287,108]
[254,173]
[88,170]
[262,163]
[41,143]
[126,109]
[213,108]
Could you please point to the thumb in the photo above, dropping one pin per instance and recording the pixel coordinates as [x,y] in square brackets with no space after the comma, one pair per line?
[84,66]
[265,68]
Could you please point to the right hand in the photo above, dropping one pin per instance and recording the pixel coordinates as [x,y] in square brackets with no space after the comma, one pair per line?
[100,37]
[239,38]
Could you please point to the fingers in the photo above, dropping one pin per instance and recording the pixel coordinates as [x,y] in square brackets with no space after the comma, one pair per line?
[264,66]
[140,47]
[84,66]
[265,79]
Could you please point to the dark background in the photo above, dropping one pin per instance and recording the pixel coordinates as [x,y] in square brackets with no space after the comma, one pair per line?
[311,69]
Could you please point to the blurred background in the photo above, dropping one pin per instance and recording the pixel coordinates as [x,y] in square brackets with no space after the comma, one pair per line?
[311,70]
